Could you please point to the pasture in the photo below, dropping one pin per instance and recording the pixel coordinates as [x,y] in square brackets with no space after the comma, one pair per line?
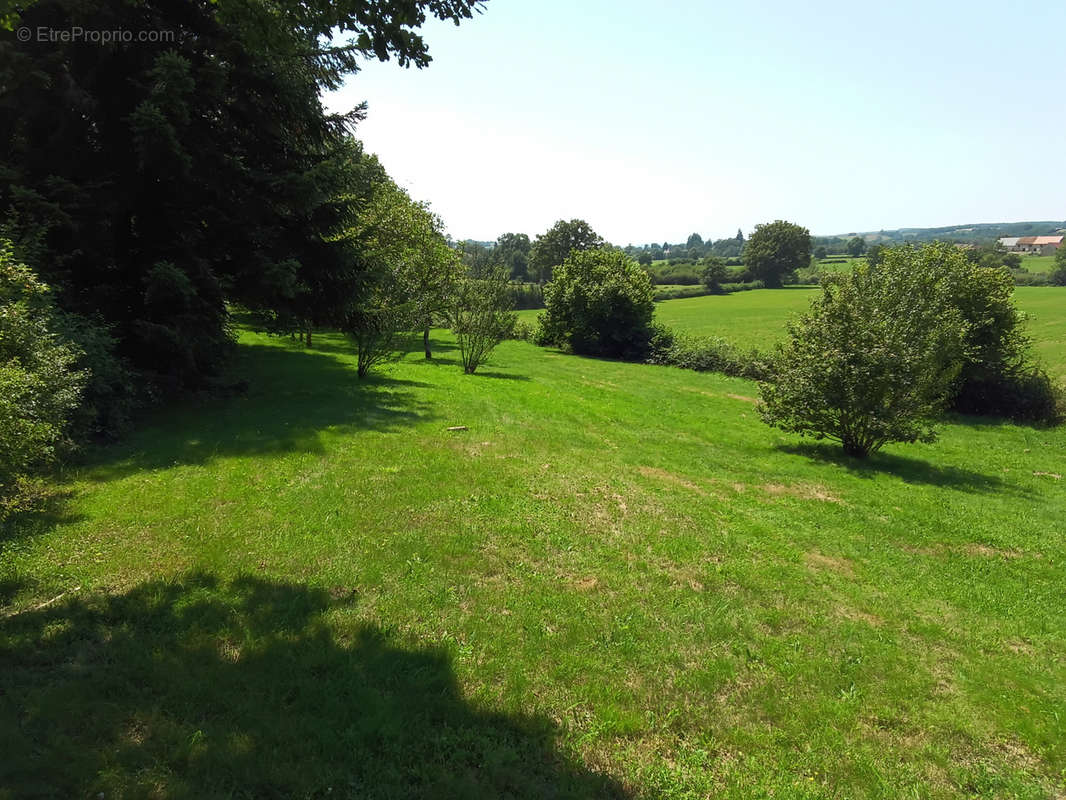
[757,319]
[614,581]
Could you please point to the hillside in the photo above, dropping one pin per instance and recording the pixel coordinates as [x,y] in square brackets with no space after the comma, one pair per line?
[615,581]
[972,232]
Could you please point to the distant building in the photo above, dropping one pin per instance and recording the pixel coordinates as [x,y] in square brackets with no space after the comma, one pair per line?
[1040,245]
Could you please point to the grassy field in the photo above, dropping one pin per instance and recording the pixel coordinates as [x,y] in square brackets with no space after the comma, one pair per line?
[757,319]
[1038,263]
[615,581]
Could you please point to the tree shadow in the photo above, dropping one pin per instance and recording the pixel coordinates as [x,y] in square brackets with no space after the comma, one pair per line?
[909,470]
[293,396]
[252,688]
[54,510]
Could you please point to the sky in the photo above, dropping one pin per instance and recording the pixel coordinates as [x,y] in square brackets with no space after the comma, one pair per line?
[654,121]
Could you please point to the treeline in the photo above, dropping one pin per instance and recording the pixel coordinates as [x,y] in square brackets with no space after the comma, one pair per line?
[149,189]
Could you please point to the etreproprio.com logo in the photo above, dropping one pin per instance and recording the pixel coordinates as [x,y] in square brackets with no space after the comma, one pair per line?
[93,35]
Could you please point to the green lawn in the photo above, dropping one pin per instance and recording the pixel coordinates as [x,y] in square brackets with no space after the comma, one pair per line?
[757,319]
[1038,263]
[616,581]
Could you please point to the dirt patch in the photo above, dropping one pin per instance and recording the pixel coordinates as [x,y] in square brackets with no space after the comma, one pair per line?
[803,491]
[1054,475]
[860,616]
[821,561]
[972,549]
[990,552]
[743,397]
[586,584]
[669,477]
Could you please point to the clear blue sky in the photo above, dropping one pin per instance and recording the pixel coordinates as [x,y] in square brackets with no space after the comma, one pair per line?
[652,121]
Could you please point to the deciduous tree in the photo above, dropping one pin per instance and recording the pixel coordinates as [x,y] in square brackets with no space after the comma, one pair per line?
[777,249]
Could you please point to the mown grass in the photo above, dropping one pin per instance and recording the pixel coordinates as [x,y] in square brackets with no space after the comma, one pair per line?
[616,581]
[757,319]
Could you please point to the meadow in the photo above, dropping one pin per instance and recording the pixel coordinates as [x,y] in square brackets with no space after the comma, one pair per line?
[758,319]
[614,580]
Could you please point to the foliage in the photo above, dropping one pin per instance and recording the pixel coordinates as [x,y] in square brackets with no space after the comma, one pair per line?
[777,249]
[152,183]
[704,354]
[599,303]
[527,295]
[40,384]
[512,251]
[715,273]
[872,362]
[856,246]
[552,247]
[480,315]
[1058,274]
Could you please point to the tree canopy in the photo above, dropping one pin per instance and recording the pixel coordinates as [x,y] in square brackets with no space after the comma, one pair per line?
[553,246]
[777,249]
[153,183]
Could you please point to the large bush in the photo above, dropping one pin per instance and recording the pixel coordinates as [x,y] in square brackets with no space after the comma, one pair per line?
[872,362]
[40,386]
[600,303]
[996,375]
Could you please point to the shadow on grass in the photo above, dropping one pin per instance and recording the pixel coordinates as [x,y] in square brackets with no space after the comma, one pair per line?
[909,470]
[204,688]
[293,396]
[53,510]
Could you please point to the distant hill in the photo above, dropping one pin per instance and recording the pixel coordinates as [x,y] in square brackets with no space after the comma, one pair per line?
[977,232]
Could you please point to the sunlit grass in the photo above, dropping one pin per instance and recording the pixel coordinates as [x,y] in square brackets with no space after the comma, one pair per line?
[615,570]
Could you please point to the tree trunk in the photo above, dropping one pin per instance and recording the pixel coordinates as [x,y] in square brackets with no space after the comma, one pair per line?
[308,335]
[425,343]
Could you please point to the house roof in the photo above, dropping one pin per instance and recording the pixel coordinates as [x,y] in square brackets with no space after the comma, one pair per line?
[1048,240]
[1027,240]
[1009,241]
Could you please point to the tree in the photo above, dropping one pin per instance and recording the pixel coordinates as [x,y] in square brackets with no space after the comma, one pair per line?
[599,303]
[874,254]
[644,259]
[1058,274]
[552,247]
[856,246]
[819,252]
[694,241]
[154,183]
[872,362]
[777,249]
[512,251]
[479,313]
[40,385]
[715,273]
[402,243]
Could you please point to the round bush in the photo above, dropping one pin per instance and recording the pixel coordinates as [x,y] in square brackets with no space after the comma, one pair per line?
[600,303]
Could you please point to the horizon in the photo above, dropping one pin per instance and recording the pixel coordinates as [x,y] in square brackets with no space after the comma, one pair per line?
[654,127]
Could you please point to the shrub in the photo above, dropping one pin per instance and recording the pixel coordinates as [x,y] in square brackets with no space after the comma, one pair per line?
[1058,274]
[872,362]
[704,354]
[527,295]
[480,314]
[375,330]
[1031,279]
[600,303]
[40,385]
[1025,395]
[677,293]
